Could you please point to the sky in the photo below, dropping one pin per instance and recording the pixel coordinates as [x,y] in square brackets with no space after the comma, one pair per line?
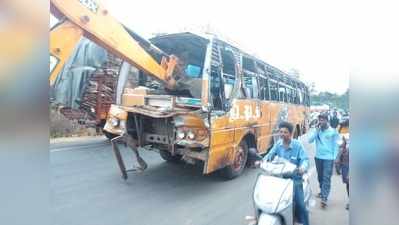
[326,41]
[302,35]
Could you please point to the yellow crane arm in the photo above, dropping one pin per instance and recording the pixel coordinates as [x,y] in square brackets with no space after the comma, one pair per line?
[90,19]
[63,39]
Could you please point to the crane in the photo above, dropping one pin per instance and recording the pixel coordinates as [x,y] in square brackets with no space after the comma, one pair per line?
[89,18]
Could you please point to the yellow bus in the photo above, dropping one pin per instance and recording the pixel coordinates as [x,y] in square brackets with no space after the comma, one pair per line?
[227,102]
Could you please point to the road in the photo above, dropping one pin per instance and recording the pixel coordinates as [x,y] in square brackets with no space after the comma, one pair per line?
[87,189]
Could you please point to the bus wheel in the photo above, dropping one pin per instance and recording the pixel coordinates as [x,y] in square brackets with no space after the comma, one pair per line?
[165,155]
[240,160]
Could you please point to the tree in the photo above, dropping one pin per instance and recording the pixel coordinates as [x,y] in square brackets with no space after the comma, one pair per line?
[331,99]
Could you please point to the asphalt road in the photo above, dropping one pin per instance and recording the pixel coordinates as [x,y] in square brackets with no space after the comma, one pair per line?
[87,189]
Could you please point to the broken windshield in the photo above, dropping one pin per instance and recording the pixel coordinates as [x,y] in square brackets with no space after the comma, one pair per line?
[190,50]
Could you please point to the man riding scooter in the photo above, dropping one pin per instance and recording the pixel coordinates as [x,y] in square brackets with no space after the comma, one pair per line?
[293,151]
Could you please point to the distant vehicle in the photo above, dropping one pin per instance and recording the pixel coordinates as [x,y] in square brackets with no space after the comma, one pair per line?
[319,108]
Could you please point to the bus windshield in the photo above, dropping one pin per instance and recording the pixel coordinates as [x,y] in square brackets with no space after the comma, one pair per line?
[190,50]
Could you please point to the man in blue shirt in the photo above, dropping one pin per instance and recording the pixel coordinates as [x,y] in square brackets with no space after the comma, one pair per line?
[326,139]
[293,150]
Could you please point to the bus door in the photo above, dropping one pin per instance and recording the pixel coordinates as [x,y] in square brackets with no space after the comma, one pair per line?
[247,105]
[222,82]
[264,123]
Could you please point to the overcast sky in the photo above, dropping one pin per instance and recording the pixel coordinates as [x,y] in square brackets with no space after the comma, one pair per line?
[308,35]
[305,35]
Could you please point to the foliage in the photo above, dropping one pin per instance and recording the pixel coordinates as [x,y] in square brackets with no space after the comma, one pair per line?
[331,99]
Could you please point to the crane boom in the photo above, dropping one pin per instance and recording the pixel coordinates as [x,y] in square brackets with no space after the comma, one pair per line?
[90,19]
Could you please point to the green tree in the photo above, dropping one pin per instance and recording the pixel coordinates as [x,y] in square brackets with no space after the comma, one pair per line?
[331,99]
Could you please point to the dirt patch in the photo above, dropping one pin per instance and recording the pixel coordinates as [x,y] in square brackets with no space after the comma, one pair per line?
[60,126]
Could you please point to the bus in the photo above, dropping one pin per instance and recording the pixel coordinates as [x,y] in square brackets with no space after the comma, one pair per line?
[226,103]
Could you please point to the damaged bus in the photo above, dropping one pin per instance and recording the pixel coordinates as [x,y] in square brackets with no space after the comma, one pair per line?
[226,103]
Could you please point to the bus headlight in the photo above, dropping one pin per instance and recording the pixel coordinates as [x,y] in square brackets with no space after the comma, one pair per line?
[180,134]
[114,122]
[190,135]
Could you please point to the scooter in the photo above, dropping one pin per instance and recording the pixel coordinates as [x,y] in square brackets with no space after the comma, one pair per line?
[274,190]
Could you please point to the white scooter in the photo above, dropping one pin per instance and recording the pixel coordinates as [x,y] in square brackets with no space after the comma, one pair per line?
[273,193]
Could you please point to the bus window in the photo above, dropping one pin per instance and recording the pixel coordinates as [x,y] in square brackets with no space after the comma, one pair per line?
[263,88]
[267,91]
[216,88]
[249,79]
[229,72]
[296,97]
[282,94]
[248,64]
[273,90]
[255,88]
[247,83]
[262,82]
[290,94]
[300,98]
[260,68]
[228,62]
[250,85]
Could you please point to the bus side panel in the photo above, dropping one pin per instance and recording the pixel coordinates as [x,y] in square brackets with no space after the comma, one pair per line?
[263,131]
[278,113]
[221,144]
[297,116]
[227,132]
[247,116]
[246,120]
[293,116]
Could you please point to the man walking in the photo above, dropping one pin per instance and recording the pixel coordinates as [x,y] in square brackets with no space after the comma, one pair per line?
[293,150]
[334,120]
[326,139]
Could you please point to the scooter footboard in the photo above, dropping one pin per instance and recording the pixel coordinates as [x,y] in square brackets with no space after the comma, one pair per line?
[267,219]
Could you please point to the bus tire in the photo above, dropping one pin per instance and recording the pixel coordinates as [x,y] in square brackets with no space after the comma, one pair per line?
[240,160]
[168,157]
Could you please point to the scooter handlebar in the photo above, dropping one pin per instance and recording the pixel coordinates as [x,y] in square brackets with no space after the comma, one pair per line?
[279,167]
